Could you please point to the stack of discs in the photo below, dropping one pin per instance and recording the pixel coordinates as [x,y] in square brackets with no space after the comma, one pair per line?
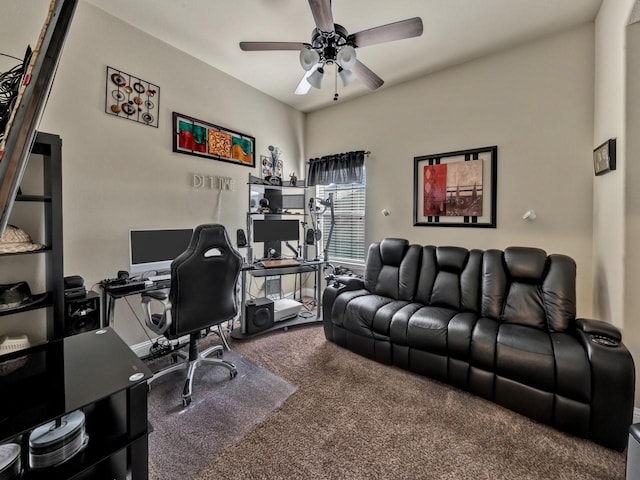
[10,466]
[56,442]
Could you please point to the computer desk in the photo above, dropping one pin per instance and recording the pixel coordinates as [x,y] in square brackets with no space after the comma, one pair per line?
[310,266]
[110,295]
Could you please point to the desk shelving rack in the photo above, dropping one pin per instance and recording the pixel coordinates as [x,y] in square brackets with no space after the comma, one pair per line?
[277,195]
[289,202]
[49,148]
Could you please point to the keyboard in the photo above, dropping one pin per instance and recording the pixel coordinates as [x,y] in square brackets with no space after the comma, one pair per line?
[131,286]
[159,278]
[280,263]
[164,283]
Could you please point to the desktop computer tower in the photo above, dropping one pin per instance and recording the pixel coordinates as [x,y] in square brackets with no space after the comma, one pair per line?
[258,315]
[81,314]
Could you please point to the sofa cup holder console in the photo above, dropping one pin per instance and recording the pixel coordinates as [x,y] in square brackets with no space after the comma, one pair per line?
[604,341]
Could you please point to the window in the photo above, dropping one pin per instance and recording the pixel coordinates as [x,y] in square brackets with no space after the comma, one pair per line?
[347,243]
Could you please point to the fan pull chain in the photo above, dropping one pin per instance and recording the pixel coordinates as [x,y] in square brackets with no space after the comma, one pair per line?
[335,95]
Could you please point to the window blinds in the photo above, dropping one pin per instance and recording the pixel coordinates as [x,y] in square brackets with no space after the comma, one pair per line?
[347,243]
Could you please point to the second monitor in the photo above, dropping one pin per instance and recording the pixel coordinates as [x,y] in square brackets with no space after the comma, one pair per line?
[276,230]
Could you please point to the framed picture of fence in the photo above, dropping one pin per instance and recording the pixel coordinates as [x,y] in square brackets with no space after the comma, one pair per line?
[456,189]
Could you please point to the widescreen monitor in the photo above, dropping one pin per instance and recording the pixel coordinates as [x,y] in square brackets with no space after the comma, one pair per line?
[154,250]
[276,230]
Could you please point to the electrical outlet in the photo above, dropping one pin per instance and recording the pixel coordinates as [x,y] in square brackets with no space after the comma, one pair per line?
[273,286]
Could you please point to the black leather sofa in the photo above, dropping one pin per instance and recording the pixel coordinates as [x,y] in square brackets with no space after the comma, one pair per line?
[499,324]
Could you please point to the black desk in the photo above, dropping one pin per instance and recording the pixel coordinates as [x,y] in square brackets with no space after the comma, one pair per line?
[312,266]
[110,295]
[93,371]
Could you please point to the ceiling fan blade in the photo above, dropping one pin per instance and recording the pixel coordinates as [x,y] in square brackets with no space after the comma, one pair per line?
[304,86]
[263,46]
[411,27]
[369,78]
[321,10]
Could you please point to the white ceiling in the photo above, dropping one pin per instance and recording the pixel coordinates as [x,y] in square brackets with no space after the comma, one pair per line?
[454,31]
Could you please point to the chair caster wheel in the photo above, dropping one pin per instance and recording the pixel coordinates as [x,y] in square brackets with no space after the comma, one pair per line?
[186,401]
[233,374]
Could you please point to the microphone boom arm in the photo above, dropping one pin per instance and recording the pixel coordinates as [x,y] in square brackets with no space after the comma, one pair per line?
[333,223]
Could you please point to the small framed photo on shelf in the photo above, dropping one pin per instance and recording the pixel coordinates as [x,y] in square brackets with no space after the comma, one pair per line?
[604,157]
[266,169]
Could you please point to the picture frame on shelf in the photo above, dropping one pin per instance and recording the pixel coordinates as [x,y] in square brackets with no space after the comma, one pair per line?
[265,166]
[456,189]
[604,157]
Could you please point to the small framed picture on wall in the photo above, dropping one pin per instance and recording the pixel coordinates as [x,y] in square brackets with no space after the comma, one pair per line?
[604,157]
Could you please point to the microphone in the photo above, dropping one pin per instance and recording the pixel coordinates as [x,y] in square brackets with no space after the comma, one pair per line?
[295,252]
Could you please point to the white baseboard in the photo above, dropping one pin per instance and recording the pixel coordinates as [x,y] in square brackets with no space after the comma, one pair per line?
[141,349]
[308,292]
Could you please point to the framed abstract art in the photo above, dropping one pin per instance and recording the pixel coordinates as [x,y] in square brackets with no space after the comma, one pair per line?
[131,97]
[456,189]
[202,139]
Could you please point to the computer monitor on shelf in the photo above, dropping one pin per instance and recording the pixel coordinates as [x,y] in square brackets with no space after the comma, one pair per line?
[276,230]
[297,202]
[154,250]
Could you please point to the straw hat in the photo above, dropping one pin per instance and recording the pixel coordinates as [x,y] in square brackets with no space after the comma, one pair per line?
[16,240]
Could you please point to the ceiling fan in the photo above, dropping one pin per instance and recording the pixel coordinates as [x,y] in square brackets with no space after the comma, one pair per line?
[331,44]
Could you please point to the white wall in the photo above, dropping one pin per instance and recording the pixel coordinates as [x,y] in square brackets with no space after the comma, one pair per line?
[608,190]
[632,196]
[120,175]
[534,102]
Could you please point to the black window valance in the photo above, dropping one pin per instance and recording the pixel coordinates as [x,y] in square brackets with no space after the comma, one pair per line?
[340,168]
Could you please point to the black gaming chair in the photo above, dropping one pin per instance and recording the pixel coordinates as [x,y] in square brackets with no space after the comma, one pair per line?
[202,296]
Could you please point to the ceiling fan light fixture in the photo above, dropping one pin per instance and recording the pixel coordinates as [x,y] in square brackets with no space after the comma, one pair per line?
[347,76]
[347,57]
[308,58]
[315,79]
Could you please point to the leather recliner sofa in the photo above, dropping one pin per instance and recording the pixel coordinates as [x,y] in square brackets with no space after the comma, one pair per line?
[499,324]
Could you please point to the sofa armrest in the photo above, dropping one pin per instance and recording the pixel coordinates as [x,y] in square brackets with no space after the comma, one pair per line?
[350,281]
[612,382]
[337,285]
[599,329]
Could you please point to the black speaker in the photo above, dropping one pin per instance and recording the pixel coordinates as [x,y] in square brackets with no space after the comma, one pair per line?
[241,238]
[73,281]
[310,237]
[258,315]
[82,314]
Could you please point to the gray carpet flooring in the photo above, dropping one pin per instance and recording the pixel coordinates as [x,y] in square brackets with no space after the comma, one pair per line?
[354,418]
[223,410]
